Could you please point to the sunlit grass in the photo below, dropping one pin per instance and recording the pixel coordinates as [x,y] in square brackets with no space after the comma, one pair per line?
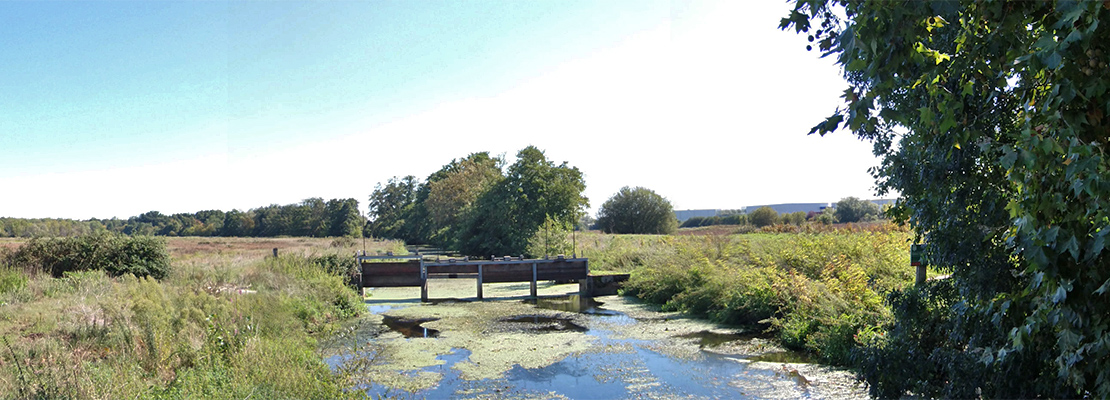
[229,321]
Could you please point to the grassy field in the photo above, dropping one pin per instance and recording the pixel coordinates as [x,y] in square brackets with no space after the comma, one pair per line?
[230,321]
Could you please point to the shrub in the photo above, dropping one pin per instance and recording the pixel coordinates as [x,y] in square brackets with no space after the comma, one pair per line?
[637,210]
[763,216]
[114,254]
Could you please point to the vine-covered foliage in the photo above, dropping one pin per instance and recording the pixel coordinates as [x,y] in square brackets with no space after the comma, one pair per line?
[992,119]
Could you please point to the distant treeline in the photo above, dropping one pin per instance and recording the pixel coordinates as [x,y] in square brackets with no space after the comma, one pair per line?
[311,217]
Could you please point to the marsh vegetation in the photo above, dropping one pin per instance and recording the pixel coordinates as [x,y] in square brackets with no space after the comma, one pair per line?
[226,319]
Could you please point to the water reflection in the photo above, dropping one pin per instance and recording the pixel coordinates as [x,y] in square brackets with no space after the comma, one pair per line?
[713,339]
[410,328]
[572,303]
[544,324]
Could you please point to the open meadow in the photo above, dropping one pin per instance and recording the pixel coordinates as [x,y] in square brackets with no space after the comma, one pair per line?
[229,320]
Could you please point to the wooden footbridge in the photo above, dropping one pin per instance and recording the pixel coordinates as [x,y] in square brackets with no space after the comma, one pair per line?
[415,270]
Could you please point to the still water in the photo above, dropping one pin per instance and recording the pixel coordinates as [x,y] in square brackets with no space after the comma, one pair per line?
[565,346]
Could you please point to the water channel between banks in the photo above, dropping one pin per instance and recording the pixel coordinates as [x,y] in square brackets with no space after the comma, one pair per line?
[563,346]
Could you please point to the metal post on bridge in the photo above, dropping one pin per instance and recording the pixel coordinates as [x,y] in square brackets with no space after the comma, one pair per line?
[479,281]
[534,275]
[423,281]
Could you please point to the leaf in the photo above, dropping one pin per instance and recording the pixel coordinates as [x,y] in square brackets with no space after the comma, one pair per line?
[1097,244]
[1072,247]
[927,115]
[1045,43]
[1060,295]
[1052,61]
[947,123]
[987,357]
[1050,235]
[1102,289]
[830,124]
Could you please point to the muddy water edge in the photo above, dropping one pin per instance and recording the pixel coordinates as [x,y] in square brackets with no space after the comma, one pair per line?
[562,346]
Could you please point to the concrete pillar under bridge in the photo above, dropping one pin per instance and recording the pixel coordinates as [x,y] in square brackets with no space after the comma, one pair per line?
[601,285]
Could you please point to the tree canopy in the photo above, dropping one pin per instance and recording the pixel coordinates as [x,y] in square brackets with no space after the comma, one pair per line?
[637,210]
[511,212]
[471,206]
[992,119]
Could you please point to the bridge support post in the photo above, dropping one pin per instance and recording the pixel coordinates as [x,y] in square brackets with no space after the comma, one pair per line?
[534,275]
[423,282]
[479,281]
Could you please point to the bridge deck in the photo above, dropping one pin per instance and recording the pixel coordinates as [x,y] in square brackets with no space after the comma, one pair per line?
[413,271]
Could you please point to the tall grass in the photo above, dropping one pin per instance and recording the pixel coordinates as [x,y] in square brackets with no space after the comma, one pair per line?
[223,328]
[820,291]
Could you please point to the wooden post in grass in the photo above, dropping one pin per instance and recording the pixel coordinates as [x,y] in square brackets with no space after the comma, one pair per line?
[275,252]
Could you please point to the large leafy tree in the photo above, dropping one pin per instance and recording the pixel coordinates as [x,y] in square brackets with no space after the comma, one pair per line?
[390,205]
[452,192]
[343,218]
[534,191]
[637,210]
[992,119]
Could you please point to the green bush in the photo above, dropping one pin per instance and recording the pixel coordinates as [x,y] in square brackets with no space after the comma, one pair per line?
[763,216]
[115,254]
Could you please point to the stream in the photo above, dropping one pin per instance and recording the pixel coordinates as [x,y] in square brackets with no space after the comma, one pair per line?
[563,346]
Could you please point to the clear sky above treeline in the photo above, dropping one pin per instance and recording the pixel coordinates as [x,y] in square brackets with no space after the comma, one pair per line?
[117,108]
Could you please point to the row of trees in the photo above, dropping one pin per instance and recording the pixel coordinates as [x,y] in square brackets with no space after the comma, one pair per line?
[476,206]
[311,217]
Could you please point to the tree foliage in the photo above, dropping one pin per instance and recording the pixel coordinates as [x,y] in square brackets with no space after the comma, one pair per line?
[510,213]
[452,192]
[992,119]
[851,209]
[389,206]
[637,210]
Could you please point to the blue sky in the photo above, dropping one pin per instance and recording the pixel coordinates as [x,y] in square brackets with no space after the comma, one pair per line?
[117,108]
